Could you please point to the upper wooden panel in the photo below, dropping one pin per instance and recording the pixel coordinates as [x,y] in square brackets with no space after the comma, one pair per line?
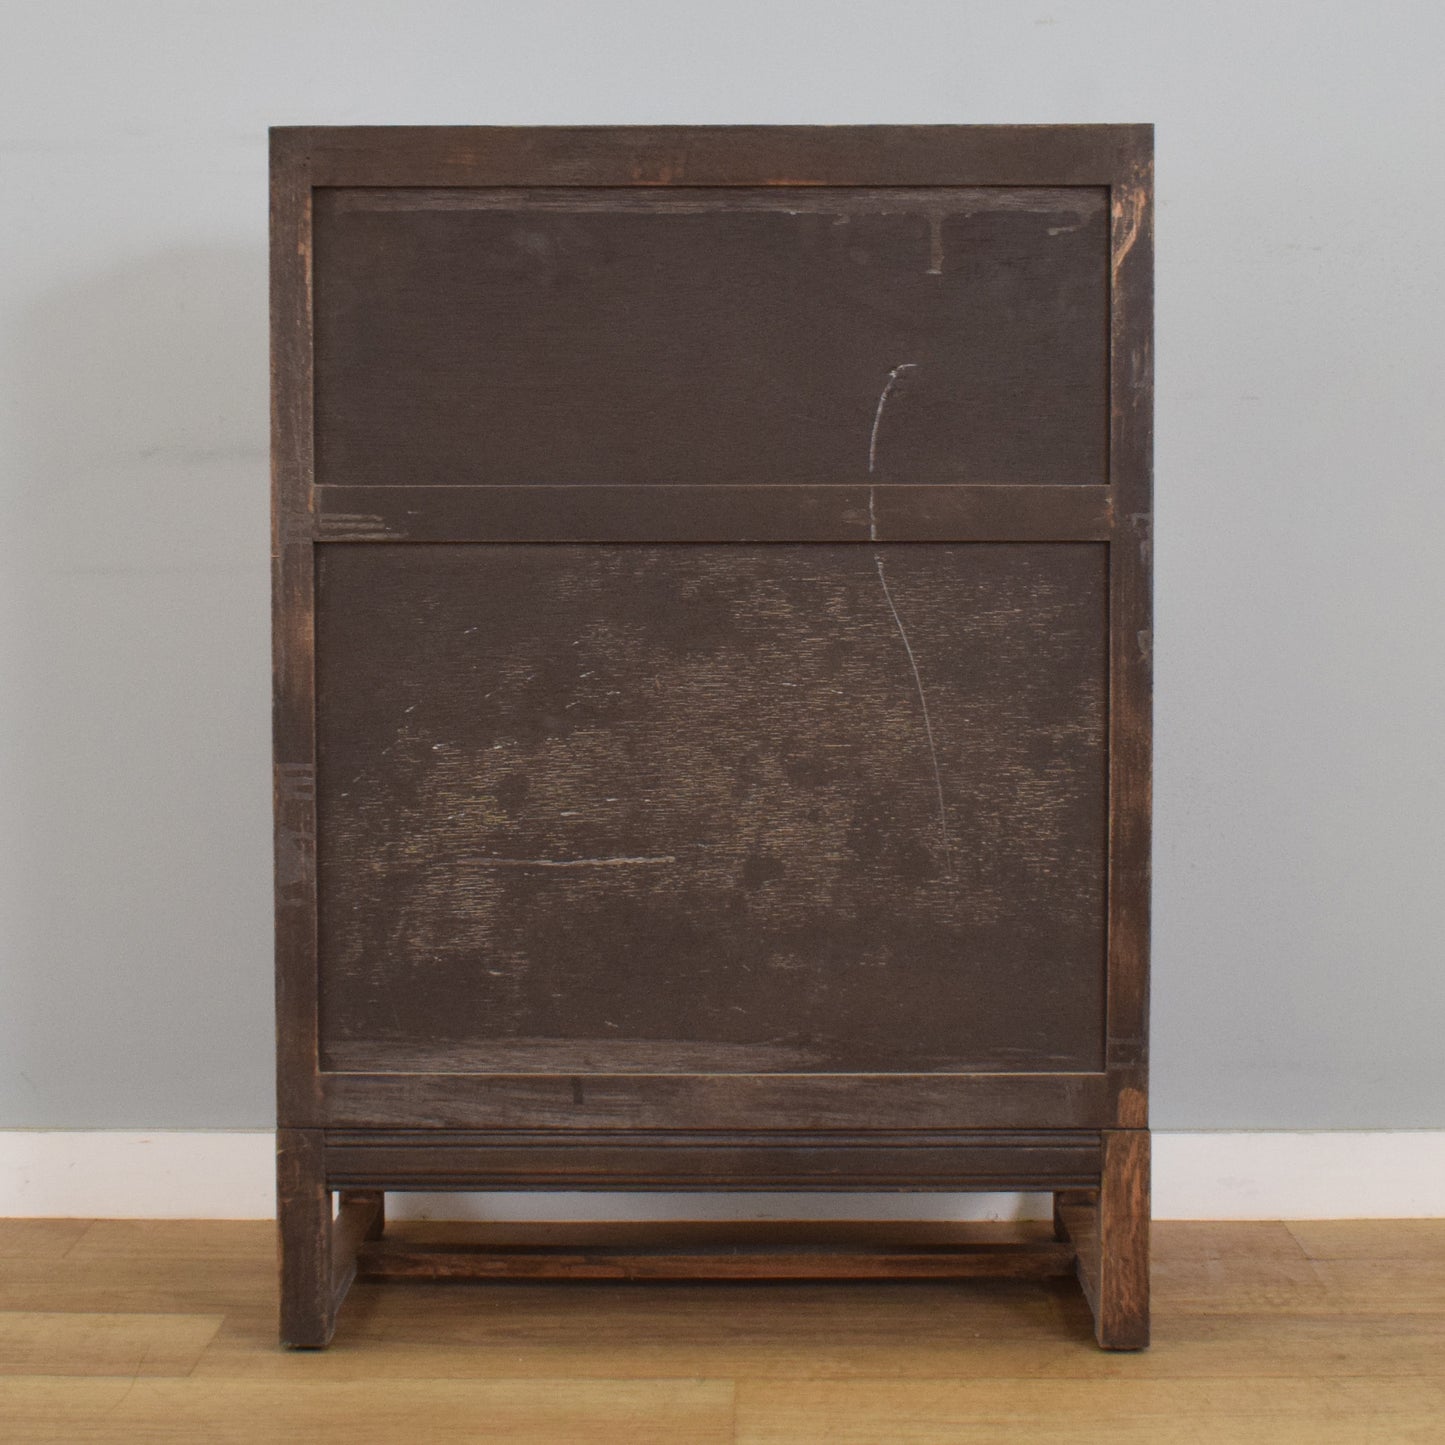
[686,336]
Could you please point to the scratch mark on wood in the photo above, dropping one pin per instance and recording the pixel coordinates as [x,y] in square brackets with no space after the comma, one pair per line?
[878,412]
[355,524]
[927,721]
[570,862]
[1128,217]
[872,518]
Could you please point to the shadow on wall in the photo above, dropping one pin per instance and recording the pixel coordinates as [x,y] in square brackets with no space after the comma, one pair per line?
[139,562]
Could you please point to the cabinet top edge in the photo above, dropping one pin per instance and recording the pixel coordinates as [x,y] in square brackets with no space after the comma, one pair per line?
[1088,154]
[1134,129]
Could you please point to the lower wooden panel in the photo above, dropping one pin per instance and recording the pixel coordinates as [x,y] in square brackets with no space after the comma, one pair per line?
[444,1159]
[693,810]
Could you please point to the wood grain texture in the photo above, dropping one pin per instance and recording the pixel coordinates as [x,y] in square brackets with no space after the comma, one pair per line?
[701,513]
[1419,1240]
[712,809]
[944,1412]
[1109,1229]
[293,713]
[454,1412]
[142,1266]
[306,1255]
[1233,1358]
[1121,1315]
[744,1103]
[34,1342]
[566,337]
[1131,391]
[731,155]
[359,1220]
[774,1262]
[372,1201]
[698,1159]
[40,1238]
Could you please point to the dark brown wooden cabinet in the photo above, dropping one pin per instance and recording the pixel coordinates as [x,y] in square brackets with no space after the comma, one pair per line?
[712,680]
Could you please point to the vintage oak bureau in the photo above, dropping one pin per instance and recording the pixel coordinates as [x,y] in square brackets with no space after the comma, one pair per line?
[712,684]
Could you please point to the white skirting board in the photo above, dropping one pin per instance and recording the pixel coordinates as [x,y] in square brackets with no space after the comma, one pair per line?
[165,1174]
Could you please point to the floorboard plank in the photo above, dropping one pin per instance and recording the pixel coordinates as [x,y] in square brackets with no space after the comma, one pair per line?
[1265,1334]
[82,1343]
[1361,1239]
[40,1238]
[862,1412]
[453,1412]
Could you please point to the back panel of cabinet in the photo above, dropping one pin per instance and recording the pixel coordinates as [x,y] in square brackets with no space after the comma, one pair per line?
[711,808]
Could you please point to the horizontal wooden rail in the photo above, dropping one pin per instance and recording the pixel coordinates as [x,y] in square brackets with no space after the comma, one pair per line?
[1042,1259]
[1004,1160]
[879,155]
[711,1101]
[604,512]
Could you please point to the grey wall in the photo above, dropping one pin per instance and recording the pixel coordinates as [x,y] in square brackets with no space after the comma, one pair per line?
[1301,512]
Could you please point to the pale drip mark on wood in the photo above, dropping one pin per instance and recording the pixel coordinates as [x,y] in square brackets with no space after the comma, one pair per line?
[935,244]
[898,621]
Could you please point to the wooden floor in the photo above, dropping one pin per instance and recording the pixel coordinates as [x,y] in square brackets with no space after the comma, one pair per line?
[1270,1333]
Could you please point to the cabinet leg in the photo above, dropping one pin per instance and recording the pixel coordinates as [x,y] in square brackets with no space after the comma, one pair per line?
[1121,1320]
[303,1211]
[1065,1200]
[1110,1232]
[374,1202]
